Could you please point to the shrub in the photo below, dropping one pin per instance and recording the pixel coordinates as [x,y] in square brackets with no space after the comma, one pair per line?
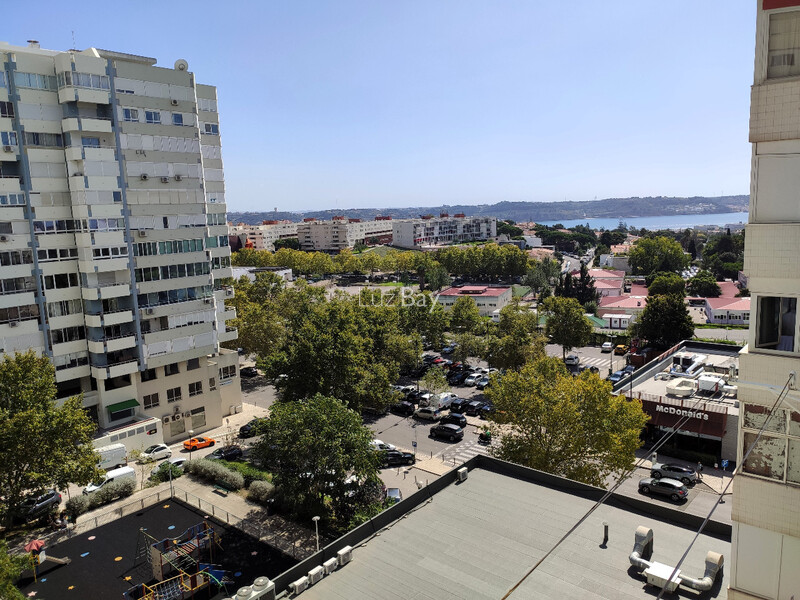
[213,471]
[248,471]
[77,506]
[260,491]
[110,492]
[162,473]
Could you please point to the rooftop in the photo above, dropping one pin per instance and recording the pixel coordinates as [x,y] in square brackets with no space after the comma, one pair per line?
[482,291]
[623,302]
[729,303]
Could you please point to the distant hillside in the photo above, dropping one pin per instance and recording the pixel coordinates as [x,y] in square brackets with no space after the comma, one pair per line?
[622,208]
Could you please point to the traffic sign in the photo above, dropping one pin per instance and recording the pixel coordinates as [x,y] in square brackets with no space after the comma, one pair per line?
[724,464]
[413,444]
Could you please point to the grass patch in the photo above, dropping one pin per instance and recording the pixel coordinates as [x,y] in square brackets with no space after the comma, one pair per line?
[717,341]
[719,326]
[391,284]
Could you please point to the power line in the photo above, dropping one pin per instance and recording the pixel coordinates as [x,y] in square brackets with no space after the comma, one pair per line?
[625,475]
[736,471]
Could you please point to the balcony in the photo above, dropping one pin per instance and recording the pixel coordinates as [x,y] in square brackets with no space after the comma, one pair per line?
[107,291]
[116,370]
[73,373]
[86,124]
[230,334]
[10,184]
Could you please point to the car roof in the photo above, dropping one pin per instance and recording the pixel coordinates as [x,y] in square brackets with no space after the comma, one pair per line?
[449,426]
[674,467]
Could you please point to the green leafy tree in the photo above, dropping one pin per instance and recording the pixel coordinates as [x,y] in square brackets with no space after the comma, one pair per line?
[43,445]
[667,283]
[508,228]
[651,255]
[291,243]
[513,350]
[434,381]
[420,313]
[437,277]
[567,324]
[665,321]
[464,315]
[312,448]
[468,346]
[11,567]
[569,426]
[704,285]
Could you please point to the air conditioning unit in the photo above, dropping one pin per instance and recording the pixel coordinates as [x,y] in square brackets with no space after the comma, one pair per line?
[345,555]
[3,238]
[149,311]
[143,176]
[165,180]
[462,474]
[165,420]
[315,575]
[142,233]
[187,414]
[178,177]
[6,148]
[174,102]
[301,585]
[12,323]
[176,417]
[330,565]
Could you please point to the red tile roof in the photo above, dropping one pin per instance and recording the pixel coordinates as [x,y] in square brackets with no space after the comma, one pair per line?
[475,291]
[623,302]
[728,303]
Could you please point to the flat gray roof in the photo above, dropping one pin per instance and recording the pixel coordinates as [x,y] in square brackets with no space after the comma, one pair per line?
[478,538]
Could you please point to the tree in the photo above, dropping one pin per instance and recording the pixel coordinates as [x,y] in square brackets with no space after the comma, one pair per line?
[667,283]
[567,324]
[467,346]
[464,316]
[665,321]
[313,448]
[703,285]
[514,350]
[569,426]
[434,381]
[651,255]
[11,567]
[43,445]
[291,243]
[421,314]
[437,277]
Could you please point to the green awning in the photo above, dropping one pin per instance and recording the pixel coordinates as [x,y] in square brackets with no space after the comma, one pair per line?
[122,405]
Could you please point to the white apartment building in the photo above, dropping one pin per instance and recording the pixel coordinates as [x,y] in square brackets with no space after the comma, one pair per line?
[419,233]
[113,238]
[340,233]
[264,236]
[766,502]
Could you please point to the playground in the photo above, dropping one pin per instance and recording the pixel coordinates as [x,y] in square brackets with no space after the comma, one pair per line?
[175,550]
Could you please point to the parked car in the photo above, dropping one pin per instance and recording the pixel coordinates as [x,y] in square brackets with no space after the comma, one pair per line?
[485,410]
[572,360]
[473,409]
[590,368]
[664,487]
[616,377]
[176,461]
[672,471]
[473,379]
[394,495]
[403,408]
[428,413]
[629,369]
[458,377]
[226,453]
[381,445]
[35,507]
[249,372]
[459,405]
[198,442]
[449,349]
[606,347]
[156,452]
[621,349]
[250,428]
[455,419]
[391,458]
[448,431]
[483,383]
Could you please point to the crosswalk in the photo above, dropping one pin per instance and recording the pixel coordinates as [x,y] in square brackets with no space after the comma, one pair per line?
[463,452]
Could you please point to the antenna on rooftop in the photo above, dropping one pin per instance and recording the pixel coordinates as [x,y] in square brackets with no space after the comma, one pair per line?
[73,39]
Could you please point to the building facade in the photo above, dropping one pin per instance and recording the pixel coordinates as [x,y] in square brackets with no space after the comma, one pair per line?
[488,299]
[444,230]
[340,233]
[766,503]
[264,236]
[114,237]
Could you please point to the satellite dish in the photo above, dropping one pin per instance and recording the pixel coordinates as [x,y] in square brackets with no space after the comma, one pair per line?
[181,65]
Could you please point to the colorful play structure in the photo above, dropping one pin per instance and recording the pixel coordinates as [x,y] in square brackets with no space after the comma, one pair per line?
[37,556]
[178,565]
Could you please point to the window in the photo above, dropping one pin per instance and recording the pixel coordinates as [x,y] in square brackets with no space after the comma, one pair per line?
[149,375]
[211,129]
[6,110]
[2,79]
[150,401]
[776,326]
[177,119]
[87,80]
[198,417]
[16,257]
[177,427]
[192,364]
[173,395]
[212,383]
[8,138]
[152,116]
[130,114]
[90,142]
[20,313]
[12,199]
[120,414]
[227,372]
[171,369]
[64,307]
[34,80]
[783,58]
[50,140]
[196,388]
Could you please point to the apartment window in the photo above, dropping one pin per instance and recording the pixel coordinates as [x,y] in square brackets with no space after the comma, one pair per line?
[90,142]
[177,119]
[8,138]
[212,383]
[67,334]
[49,254]
[64,308]
[87,80]
[227,372]
[173,395]
[19,313]
[211,129]
[12,199]
[60,281]
[46,140]
[16,257]
[777,323]
[783,58]
[35,81]
[152,116]
[171,369]
[120,414]
[192,364]
[130,114]
[196,388]
[149,375]
[2,79]
[6,110]
[150,401]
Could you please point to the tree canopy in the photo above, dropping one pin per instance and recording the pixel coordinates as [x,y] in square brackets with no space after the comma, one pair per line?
[569,426]
[667,283]
[703,285]
[723,255]
[653,254]
[567,324]
[664,322]
[464,315]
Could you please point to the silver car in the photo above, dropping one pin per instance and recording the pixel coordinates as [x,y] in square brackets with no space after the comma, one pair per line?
[664,487]
[687,475]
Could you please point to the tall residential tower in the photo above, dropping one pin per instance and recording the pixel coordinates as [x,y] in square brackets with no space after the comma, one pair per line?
[113,237]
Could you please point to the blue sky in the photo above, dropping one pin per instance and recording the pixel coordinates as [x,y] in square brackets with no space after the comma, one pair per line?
[424,102]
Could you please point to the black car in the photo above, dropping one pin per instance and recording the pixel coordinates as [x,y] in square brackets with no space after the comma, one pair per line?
[250,429]
[486,410]
[404,408]
[459,405]
[454,418]
[473,409]
[447,431]
[458,377]
[396,457]
[226,453]
[35,507]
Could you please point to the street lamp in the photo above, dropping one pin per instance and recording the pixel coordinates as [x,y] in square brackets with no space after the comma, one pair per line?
[191,435]
[316,529]
[611,356]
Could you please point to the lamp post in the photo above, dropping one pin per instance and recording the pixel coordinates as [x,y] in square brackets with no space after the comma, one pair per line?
[611,356]
[191,435]
[316,529]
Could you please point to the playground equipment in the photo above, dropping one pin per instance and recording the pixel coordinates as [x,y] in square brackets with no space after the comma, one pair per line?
[175,564]
[37,556]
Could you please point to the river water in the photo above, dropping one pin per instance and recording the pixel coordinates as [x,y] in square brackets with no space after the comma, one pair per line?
[655,223]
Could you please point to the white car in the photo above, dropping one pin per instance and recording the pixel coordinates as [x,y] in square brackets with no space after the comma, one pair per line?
[606,347]
[379,445]
[572,360]
[156,452]
[473,379]
[176,462]
[428,413]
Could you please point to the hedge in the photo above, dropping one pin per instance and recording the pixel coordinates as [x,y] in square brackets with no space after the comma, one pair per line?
[260,491]
[216,473]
